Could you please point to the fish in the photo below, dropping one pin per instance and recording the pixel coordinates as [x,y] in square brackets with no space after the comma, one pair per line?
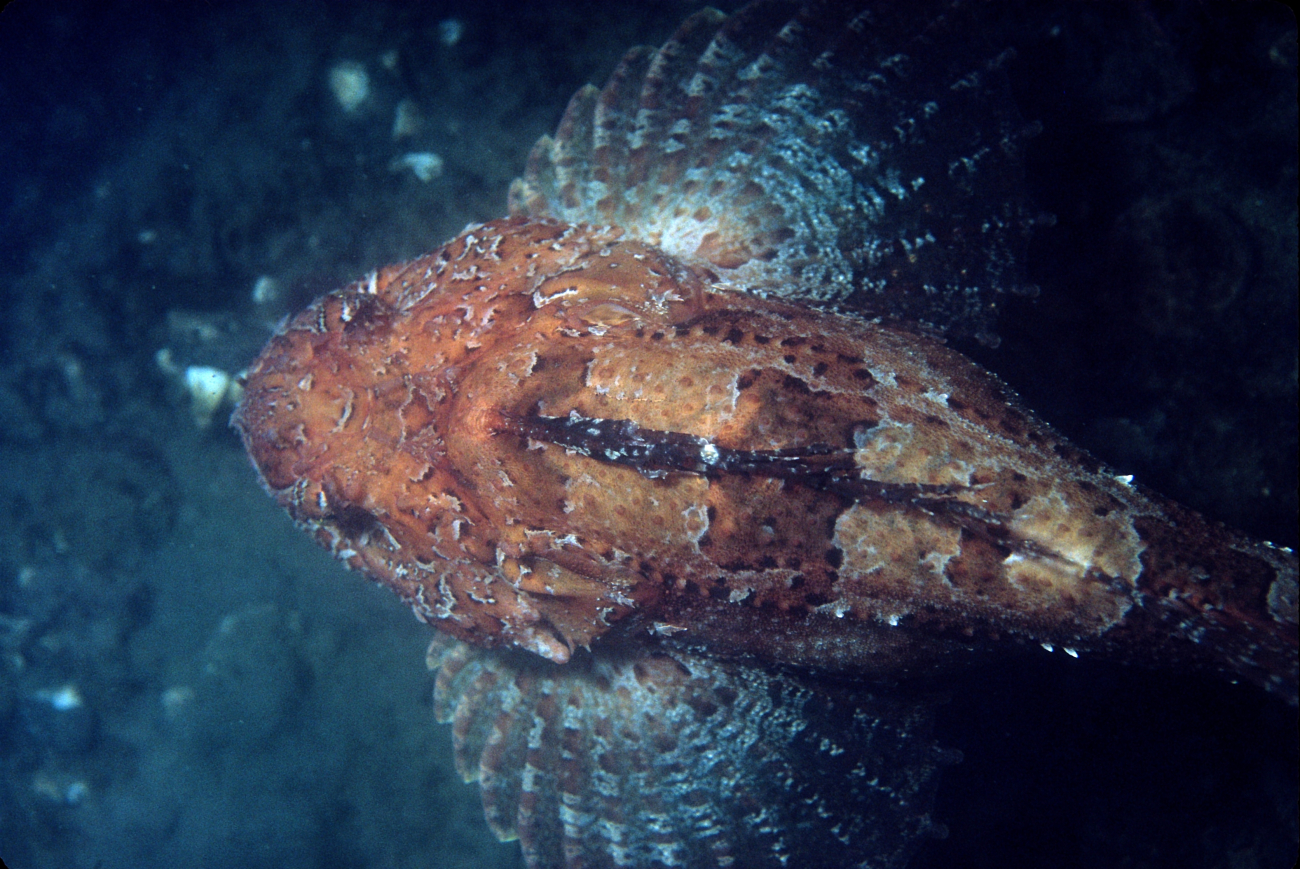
[678,462]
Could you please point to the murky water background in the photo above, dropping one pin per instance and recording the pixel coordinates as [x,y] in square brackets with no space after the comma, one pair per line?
[186,680]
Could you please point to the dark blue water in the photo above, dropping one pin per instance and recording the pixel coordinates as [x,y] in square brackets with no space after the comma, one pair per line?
[185,680]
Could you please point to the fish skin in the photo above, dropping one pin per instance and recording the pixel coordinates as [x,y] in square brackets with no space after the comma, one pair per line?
[384,419]
[1148,583]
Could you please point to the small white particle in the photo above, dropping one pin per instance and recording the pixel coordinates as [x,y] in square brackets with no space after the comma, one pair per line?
[425,165]
[350,84]
[450,31]
[940,398]
[62,699]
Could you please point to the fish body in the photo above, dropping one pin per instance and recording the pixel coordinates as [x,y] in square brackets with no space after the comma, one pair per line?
[544,433]
[678,451]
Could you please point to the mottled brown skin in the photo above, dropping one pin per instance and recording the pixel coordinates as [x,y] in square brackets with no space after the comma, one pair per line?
[853,496]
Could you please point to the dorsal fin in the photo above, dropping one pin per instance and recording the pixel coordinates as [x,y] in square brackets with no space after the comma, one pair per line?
[857,160]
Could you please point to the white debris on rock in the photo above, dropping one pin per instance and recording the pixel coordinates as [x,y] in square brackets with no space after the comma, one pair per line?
[208,388]
[450,31]
[406,120]
[350,84]
[266,290]
[425,164]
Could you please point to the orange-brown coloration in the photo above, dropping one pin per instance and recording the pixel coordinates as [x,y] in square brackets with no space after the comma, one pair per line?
[555,435]
[392,418]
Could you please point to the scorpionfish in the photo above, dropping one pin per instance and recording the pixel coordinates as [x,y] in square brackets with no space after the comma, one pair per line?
[674,458]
